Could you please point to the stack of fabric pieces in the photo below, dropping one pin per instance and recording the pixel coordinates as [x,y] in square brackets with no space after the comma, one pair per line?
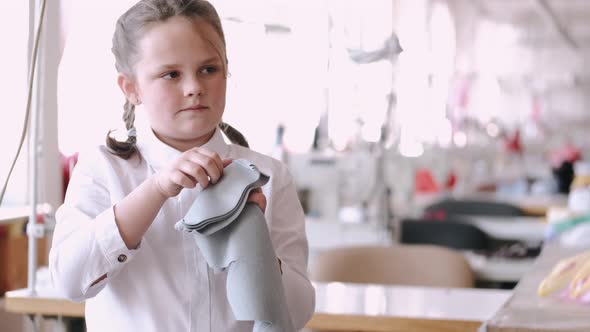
[222,203]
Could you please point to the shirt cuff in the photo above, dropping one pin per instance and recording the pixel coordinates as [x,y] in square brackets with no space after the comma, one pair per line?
[110,241]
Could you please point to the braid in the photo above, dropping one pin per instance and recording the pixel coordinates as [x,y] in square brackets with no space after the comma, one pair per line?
[124,149]
[233,134]
[129,118]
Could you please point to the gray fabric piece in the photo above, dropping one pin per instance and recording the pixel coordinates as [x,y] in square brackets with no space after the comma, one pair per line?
[234,235]
[223,201]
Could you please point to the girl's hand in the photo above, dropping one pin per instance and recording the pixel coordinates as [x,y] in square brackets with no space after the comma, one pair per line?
[194,166]
[256,196]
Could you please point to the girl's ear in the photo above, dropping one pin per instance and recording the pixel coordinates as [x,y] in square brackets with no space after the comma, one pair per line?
[129,88]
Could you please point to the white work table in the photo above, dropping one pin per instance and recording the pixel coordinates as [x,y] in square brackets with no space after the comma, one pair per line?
[14,214]
[341,306]
[45,302]
[361,307]
[527,229]
[21,213]
[498,269]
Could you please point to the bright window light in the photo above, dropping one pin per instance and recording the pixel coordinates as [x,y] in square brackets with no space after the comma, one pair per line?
[14,29]
[424,76]
[89,100]
[495,48]
[460,139]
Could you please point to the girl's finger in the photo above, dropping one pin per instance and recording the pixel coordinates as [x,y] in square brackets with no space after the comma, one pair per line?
[182,179]
[259,199]
[214,156]
[209,165]
[195,171]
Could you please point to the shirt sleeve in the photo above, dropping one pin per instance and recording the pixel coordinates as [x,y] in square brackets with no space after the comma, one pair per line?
[287,230]
[86,242]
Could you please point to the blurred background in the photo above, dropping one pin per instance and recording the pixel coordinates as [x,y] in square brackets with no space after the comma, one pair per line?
[381,109]
[491,90]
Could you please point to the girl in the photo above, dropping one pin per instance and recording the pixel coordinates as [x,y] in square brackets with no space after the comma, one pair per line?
[115,245]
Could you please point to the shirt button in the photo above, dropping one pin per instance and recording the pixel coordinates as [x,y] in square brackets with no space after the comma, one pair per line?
[122,258]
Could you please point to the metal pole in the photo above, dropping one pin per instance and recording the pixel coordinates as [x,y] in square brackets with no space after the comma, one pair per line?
[35,6]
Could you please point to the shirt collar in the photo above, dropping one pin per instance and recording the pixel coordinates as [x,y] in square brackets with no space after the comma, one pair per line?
[158,154]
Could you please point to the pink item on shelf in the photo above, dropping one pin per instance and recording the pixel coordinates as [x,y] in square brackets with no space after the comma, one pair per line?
[425,182]
[512,142]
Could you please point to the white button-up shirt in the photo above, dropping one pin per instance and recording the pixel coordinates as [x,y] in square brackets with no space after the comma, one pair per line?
[165,284]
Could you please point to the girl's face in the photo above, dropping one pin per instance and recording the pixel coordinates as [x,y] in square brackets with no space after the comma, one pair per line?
[181,82]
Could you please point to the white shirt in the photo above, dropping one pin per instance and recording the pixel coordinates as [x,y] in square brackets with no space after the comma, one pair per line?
[165,284]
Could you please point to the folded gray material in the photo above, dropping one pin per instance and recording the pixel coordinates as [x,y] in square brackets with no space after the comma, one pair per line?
[233,235]
[222,203]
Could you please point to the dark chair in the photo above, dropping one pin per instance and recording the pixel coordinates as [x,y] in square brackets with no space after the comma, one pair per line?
[446,233]
[460,234]
[460,207]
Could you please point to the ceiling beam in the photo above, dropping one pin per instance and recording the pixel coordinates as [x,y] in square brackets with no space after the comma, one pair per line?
[549,14]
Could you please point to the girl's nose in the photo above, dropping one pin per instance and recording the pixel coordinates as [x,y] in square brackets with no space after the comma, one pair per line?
[193,88]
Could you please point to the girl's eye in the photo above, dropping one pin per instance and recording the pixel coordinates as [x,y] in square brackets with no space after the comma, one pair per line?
[171,75]
[209,70]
